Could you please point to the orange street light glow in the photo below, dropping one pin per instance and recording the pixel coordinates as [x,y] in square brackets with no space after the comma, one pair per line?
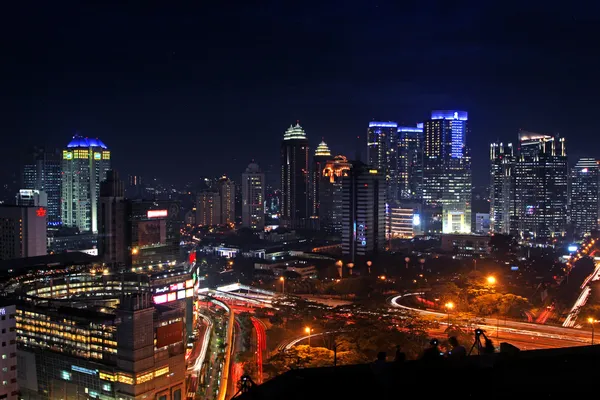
[491,280]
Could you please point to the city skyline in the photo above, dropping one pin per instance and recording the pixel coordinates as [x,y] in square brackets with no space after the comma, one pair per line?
[149,88]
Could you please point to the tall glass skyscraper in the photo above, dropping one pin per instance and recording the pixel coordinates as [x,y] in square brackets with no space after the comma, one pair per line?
[541,186]
[410,161]
[447,168]
[295,207]
[253,197]
[85,163]
[584,196]
[502,188]
[382,154]
[322,154]
[42,172]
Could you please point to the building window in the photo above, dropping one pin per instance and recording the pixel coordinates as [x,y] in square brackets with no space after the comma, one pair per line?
[177,394]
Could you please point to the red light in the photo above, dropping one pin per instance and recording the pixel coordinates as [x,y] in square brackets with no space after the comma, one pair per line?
[40,212]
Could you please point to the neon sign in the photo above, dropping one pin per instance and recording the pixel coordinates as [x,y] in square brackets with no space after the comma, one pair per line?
[157,213]
[40,212]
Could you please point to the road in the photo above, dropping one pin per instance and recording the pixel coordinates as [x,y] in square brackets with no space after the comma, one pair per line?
[524,332]
[261,346]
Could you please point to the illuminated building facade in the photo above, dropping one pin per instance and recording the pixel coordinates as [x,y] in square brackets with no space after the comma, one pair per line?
[382,154]
[447,168]
[363,211]
[322,154]
[295,207]
[502,188]
[402,222]
[9,389]
[43,172]
[208,208]
[22,231]
[98,336]
[410,161]
[32,198]
[330,193]
[85,163]
[584,196]
[253,198]
[541,186]
[227,197]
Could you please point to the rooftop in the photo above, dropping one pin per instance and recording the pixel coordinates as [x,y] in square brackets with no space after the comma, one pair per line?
[80,141]
[294,132]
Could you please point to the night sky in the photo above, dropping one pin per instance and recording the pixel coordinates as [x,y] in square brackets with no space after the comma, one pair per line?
[180,93]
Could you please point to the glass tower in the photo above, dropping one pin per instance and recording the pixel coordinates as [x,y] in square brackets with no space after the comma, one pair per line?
[42,172]
[382,154]
[502,188]
[584,196]
[295,208]
[410,161]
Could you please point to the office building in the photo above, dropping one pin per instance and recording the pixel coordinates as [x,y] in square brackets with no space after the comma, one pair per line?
[330,193]
[253,198]
[22,231]
[541,186]
[208,208]
[113,221]
[402,222]
[322,154]
[85,163]
[226,190]
[584,196]
[447,168]
[9,388]
[295,207]
[42,172]
[410,159]
[502,188]
[105,340]
[482,223]
[382,154]
[32,198]
[363,211]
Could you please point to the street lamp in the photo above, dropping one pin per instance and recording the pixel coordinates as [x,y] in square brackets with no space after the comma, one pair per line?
[282,280]
[449,306]
[406,261]
[592,321]
[307,330]
[491,280]
[369,263]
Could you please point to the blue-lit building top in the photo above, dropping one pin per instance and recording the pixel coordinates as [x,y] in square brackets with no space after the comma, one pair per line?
[80,141]
[411,129]
[450,114]
[377,124]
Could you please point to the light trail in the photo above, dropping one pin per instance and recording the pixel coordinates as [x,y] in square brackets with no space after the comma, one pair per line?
[204,349]
[582,299]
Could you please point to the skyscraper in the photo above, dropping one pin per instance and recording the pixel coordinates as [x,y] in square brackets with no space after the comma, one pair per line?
[541,186]
[295,208]
[42,171]
[253,197]
[584,196]
[363,211]
[85,163]
[502,187]
[382,154]
[410,161]
[330,193]
[113,221]
[22,231]
[227,197]
[208,208]
[322,154]
[447,168]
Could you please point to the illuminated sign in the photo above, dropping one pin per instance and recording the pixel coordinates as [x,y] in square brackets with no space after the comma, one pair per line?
[161,289]
[416,220]
[177,286]
[171,297]
[181,295]
[160,299]
[83,370]
[584,170]
[572,249]
[157,213]
[373,171]
[40,212]
[383,124]
[2,311]
[97,156]
[26,192]
[189,283]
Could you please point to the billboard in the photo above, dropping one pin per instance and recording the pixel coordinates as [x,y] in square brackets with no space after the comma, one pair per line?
[169,334]
[157,213]
[151,233]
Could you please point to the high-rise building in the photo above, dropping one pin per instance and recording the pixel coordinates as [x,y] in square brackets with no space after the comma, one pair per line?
[9,389]
[226,189]
[322,154]
[295,207]
[410,161]
[482,223]
[32,198]
[584,196]
[208,208]
[382,154]
[113,221]
[42,172]
[84,165]
[363,211]
[22,231]
[330,193]
[447,168]
[502,188]
[253,197]
[541,186]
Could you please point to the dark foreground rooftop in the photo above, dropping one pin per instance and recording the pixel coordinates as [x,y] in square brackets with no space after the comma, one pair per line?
[536,374]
